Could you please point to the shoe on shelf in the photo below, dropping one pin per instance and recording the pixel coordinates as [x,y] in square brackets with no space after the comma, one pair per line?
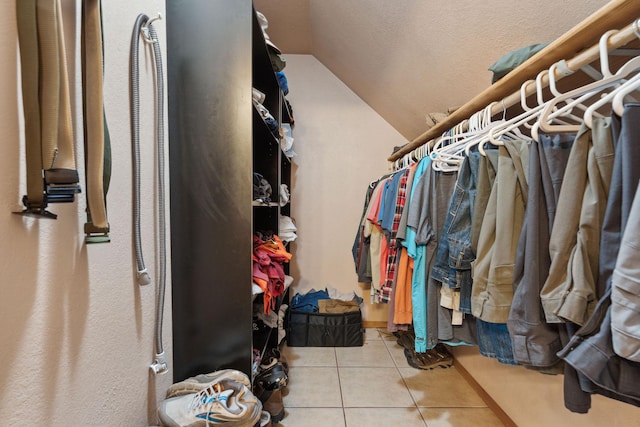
[274,354]
[202,381]
[216,405]
[271,376]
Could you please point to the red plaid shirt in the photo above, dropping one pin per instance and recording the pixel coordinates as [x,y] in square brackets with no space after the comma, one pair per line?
[392,258]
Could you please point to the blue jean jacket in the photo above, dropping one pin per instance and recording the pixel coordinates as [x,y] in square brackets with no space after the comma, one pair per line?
[454,255]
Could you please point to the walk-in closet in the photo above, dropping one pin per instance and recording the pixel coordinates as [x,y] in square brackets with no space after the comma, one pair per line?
[297,213]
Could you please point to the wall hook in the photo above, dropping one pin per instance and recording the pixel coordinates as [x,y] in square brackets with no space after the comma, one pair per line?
[145,29]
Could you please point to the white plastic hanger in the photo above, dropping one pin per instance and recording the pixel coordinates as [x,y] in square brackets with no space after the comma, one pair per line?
[604,53]
[479,123]
[473,126]
[584,92]
[566,110]
[448,157]
[510,128]
[618,100]
[539,90]
[488,123]
[617,94]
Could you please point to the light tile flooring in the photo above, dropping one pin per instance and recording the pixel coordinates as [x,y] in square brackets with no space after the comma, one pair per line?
[373,386]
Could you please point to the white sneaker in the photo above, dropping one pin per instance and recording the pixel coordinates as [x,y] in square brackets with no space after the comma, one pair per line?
[235,406]
[202,381]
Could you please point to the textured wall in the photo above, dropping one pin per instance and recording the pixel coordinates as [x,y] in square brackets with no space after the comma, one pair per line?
[407,58]
[289,23]
[76,331]
[341,144]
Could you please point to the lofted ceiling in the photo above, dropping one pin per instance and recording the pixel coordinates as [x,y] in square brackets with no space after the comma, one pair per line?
[408,58]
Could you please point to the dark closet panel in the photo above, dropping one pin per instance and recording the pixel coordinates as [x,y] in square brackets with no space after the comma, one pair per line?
[210,119]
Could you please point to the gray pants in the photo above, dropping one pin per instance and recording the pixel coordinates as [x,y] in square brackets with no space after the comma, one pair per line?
[625,289]
[536,342]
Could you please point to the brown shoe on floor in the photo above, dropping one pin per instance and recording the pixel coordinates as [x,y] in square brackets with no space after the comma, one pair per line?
[265,420]
[272,403]
[437,357]
[407,340]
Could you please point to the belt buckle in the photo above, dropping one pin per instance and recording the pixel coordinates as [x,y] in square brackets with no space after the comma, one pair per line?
[95,234]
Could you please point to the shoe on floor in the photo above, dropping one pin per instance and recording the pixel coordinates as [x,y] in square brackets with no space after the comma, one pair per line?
[407,340]
[442,352]
[272,403]
[217,405]
[432,358]
[265,419]
[202,381]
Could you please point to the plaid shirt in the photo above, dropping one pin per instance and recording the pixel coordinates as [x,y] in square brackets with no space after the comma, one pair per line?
[401,198]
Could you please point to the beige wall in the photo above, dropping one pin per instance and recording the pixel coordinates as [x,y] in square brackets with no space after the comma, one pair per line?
[289,24]
[76,331]
[342,145]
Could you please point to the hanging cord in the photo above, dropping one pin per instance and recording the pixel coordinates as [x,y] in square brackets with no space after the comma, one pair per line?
[144,27]
[142,273]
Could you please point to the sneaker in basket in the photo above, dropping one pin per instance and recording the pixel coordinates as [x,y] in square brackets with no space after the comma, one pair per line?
[202,381]
[215,405]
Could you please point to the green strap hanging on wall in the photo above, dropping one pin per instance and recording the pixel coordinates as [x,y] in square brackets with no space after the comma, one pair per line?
[96,135]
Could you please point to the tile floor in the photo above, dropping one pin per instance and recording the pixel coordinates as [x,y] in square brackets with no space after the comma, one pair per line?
[373,386]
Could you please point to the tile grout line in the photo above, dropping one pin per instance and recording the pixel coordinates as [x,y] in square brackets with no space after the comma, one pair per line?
[395,363]
[347,359]
[344,415]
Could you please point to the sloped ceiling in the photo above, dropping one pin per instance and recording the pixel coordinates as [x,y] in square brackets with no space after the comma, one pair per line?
[407,58]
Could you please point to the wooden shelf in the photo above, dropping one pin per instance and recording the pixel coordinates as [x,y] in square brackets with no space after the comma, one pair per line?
[580,43]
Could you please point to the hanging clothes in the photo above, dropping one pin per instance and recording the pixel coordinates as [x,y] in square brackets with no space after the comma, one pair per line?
[493,268]
[452,266]
[493,340]
[373,231]
[536,342]
[416,251]
[569,294]
[533,243]
[360,248]
[427,217]
[625,289]
[401,316]
[590,350]
[394,202]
